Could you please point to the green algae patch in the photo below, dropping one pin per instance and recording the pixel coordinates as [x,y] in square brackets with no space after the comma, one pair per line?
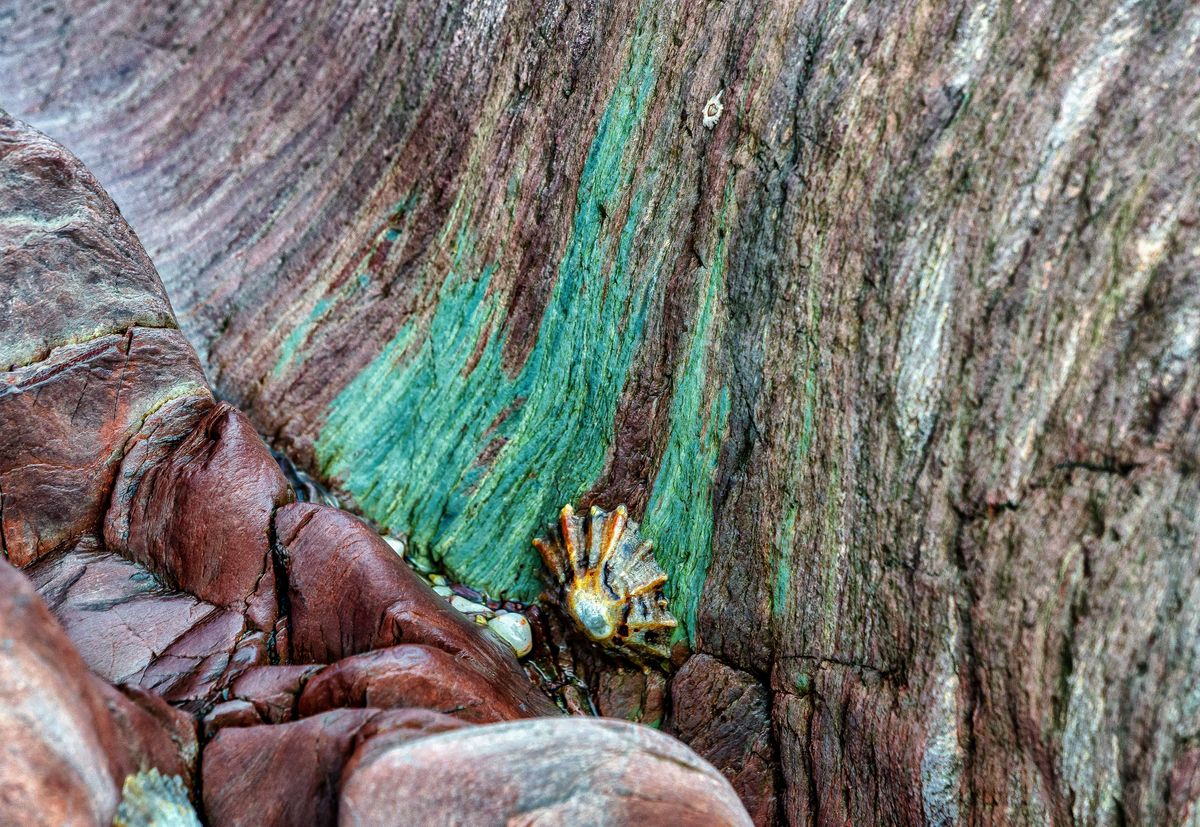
[434,440]
[680,514]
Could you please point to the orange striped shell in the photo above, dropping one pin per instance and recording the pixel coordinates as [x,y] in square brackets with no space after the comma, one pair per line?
[604,576]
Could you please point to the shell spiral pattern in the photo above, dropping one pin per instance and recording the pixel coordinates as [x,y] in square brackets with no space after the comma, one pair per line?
[605,577]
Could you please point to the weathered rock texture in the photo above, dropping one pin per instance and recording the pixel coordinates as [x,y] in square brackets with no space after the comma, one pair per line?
[293,771]
[349,593]
[897,363]
[725,715]
[68,738]
[156,526]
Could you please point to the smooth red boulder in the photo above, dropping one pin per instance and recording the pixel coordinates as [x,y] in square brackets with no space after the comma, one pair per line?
[273,690]
[67,740]
[545,771]
[410,675]
[290,774]
[350,593]
[234,713]
[64,423]
[200,516]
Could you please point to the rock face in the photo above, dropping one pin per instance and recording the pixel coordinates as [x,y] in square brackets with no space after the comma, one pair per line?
[725,715]
[200,516]
[896,363]
[72,270]
[410,676]
[293,771]
[183,648]
[275,645]
[64,422]
[349,593]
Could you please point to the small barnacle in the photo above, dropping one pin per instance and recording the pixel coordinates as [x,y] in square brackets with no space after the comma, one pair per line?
[604,576]
[149,799]
[713,110]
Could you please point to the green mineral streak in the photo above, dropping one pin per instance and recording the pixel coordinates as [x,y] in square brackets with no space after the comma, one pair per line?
[397,225]
[786,537]
[291,345]
[436,441]
[680,514]
[833,566]
[783,574]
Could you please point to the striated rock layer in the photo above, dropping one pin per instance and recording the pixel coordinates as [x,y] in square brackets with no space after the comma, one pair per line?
[896,363]
[216,651]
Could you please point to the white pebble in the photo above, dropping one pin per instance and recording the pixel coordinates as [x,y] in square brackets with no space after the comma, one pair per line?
[514,630]
[469,607]
[444,591]
[438,580]
[396,543]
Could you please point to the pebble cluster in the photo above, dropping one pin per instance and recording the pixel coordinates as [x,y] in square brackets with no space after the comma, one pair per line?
[506,623]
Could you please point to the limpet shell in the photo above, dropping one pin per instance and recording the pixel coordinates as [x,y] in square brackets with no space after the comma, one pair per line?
[604,577]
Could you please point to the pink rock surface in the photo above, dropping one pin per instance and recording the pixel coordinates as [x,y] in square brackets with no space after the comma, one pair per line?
[546,771]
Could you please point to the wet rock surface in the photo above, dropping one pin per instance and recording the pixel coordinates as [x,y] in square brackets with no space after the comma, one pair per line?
[178,614]
[200,516]
[292,772]
[410,675]
[64,423]
[183,648]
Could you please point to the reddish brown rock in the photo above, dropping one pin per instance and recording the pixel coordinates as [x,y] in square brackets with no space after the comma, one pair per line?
[235,713]
[133,629]
[67,739]
[350,593]
[64,423]
[546,771]
[273,690]
[71,269]
[290,774]
[153,733]
[630,694]
[725,716]
[200,517]
[58,740]
[410,675]
[152,445]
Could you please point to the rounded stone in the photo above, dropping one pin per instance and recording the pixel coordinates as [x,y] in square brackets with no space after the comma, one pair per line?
[514,630]
[470,607]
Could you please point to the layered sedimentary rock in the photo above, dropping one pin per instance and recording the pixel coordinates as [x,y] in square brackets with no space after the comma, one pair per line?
[133,629]
[221,625]
[896,362]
